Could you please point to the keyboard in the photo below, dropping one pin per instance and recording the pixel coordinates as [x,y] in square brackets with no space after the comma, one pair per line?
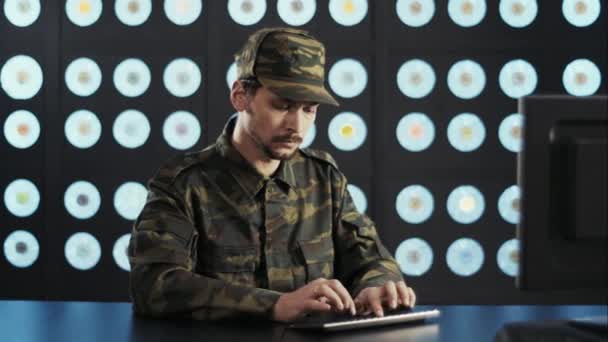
[336,322]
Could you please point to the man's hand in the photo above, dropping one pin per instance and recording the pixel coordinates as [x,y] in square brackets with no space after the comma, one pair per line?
[320,295]
[390,295]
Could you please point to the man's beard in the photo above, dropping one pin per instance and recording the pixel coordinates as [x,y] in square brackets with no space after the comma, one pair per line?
[270,153]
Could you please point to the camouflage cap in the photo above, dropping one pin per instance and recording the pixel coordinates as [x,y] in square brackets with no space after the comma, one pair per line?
[289,62]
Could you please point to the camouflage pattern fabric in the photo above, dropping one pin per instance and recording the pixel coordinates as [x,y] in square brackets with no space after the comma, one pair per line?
[217,240]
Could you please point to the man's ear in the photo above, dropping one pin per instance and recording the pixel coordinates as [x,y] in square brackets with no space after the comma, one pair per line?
[238,96]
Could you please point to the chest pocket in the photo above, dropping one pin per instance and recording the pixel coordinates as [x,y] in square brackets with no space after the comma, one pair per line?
[318,256]
[234,264]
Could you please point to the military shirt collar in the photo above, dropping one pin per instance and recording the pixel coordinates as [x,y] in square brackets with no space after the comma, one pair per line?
[245,174]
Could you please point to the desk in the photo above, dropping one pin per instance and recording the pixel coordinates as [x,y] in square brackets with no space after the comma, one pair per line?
[34,321]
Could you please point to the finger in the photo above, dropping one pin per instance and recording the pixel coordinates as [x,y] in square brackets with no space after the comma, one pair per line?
[323,299]
[374,301]
[403,293]
[333,297]
[412,297]
[337,286]
[315,306]
[391,294]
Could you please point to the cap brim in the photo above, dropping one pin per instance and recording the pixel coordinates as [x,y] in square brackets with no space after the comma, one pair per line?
[299,91]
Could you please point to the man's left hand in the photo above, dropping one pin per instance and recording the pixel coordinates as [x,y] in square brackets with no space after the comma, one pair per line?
[390,295]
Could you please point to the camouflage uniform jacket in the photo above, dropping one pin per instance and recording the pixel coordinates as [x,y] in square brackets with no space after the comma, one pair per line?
[216,239]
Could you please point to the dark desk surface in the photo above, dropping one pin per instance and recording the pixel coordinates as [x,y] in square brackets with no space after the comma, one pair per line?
[25,321]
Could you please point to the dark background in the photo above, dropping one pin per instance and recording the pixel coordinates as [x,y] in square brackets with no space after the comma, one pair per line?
[380,167]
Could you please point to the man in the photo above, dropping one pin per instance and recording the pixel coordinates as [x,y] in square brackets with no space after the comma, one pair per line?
[254,226]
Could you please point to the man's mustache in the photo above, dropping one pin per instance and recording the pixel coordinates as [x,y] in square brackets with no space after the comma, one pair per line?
[288,139]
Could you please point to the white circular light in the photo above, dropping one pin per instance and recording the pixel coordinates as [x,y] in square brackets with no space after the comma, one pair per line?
[133,12]
[415,132]
[465,257]
[415,13]
[21,129]
[131,128]
[581,13]
[517,78]
[507,257]
[416,78]
[466,79]
[22,13]
[414,204]
[21,248]
[83,12]
[296,12]
[347,78]
[348,12]
[347,131]
[510,132]
[82,129]
[465,204]
[21,77]
[246,12]
[231,75]
[310,137]
[82,200]
[466,132]
[182,77]
[581,77]
[119,252]
[518,13]
[21,198]
[414,256]
[129,200]
[509,204]
[181,130]
[183,12]
[132,77]
[82,251]
[358,197]
[83,76]
[467,13]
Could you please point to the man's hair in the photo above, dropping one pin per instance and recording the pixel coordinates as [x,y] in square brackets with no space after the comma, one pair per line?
[251,85]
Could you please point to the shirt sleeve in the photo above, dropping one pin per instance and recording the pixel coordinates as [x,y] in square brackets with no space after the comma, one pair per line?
[361,258]
[163,255]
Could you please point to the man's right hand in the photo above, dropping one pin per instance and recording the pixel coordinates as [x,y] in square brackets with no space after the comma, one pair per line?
[320,295]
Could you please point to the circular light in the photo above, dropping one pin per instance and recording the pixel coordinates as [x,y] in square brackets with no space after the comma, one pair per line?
[358,197]
[348,12]
[416,78]
[131,128]
[231,75]
[467,13]
[246,12]
[82,200]
[465,204]
[510,132]
[21,77]
[414,204]
[466,132]
[21,248]
[181,130]
[581,13]
[183,12]
[518,13]
[517,78]
[509,204]
[296,12]
[83,76]
[348,78]
[347,131]
[82,251]
[465,257]
[415,132]
[21,129]
[83,12]
[119,252]
[581,77]
[133,12]
[82,129]
[414,256]
[132,77]
[507,257]
[466,79]
[310,136]
[182,77]
[129,200]
[415,13]
[22,13]
[21,198]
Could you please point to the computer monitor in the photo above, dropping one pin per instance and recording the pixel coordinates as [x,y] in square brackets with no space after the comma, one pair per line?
[562,175]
